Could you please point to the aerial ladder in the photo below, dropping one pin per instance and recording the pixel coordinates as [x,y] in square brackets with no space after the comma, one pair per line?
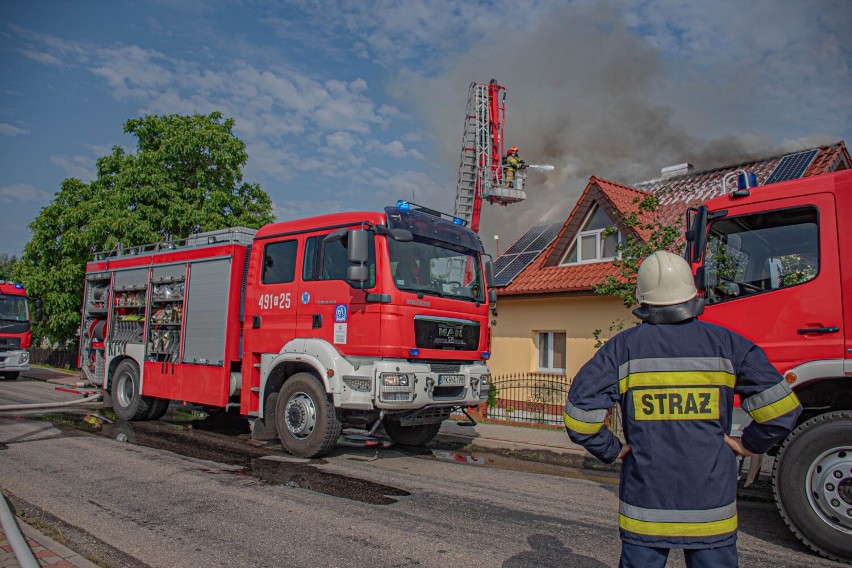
[482,175]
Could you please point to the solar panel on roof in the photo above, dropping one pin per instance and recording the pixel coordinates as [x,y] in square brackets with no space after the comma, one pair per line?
[545,238]
[792,166]
[519,262]
[502,262]
[523,252]
[525,240]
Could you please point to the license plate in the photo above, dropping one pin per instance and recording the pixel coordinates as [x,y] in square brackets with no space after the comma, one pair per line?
[450,380]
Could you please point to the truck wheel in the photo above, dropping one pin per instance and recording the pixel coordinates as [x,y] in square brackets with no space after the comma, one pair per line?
[126,389]
[308,423]
[158,408]
[418,435]
[11,376]
[812,478]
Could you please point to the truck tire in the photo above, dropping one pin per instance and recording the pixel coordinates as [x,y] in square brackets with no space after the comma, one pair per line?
[158,408]
[812,479]
[11,376]
[126,389]
[307,421]
[418,435]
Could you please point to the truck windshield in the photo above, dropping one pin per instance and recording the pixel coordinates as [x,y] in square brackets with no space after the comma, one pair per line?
[14,308]
[429,268]
[755,253]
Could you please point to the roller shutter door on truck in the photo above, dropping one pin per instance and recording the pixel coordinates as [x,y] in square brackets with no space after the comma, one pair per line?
[206,312]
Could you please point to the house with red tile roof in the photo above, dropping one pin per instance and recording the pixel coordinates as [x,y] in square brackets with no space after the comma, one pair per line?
[547,313]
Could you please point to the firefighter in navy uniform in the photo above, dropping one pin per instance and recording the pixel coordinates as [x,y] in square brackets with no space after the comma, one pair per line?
[675,378]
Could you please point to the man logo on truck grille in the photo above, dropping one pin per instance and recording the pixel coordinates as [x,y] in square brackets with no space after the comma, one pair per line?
[691,403]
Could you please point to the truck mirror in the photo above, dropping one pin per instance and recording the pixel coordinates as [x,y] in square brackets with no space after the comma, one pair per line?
[359,247]
[695,233]
[489,273]
[37,315]
[358,273]
[700,280]
[492,296]
[38,303]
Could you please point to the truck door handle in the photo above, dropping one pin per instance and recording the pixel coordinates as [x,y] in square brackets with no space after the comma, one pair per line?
[316,321]
[255,322]
[805,330]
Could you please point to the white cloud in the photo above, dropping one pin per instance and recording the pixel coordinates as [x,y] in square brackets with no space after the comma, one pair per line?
[7,129]
[80,167]
[394,148]
[133,72]
[342,140]
[299,209]
[42,57]
[22,193]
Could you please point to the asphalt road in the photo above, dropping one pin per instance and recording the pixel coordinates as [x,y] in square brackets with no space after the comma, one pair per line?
[176,493]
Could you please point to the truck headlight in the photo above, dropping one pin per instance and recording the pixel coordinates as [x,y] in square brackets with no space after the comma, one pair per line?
[485,379]
[25,358]
[395,380]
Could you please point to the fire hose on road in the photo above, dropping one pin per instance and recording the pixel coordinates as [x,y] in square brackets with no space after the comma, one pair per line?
[46,405]
[16,540]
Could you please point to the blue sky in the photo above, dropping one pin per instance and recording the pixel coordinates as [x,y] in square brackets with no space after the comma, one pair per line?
[352,105]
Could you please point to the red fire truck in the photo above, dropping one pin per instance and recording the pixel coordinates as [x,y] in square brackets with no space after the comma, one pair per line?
[15,334]
[775,264]
[307,327]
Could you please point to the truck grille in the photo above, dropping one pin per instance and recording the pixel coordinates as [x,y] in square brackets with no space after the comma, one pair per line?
[10,343]
[449,393]
[445,367]
[431,334]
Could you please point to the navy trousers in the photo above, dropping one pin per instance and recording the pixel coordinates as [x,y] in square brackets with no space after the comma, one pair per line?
[635,556]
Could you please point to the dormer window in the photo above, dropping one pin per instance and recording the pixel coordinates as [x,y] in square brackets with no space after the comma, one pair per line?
[590,245]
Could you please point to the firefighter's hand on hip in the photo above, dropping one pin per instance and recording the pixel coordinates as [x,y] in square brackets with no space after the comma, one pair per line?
[736,444]
[625,449]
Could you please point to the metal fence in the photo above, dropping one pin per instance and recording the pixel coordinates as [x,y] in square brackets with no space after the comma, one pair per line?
[60,358]
[535,398]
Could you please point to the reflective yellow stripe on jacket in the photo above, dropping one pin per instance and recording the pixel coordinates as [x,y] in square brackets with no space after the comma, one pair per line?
[771,403]
[676,523]
[676,371]
[583,421]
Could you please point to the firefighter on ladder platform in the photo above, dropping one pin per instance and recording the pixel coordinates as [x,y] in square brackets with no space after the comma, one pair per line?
[513,164]
[675,378]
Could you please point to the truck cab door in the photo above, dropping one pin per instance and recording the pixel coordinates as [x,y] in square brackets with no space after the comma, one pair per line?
[773,275]
[337,310]
[271,313]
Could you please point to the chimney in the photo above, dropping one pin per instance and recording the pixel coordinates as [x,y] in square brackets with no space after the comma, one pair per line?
[678,170]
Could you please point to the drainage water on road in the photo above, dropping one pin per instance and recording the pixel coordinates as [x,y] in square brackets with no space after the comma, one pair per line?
[215,440]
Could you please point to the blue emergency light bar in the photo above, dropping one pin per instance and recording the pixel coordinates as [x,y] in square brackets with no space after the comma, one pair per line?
[746,181]
[404,205]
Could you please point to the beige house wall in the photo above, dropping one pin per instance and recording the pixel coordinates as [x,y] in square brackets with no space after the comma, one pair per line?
[513,348]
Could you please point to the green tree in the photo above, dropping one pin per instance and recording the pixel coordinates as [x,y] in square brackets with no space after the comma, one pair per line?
[7,264]
[649,234]
[185,177]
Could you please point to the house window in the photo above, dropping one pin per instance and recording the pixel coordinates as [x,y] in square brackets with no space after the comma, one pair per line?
[551,351]
[591,245]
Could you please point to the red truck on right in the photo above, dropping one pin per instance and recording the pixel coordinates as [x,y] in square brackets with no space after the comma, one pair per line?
[774,263]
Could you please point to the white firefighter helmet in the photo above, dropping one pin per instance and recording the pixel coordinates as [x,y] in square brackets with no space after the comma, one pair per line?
[664,279]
